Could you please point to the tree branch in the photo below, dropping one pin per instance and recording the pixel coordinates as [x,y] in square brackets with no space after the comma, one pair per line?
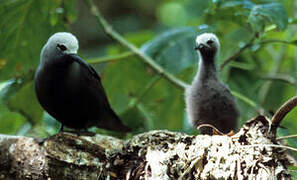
[287,137]
[251,43]
[151,155]
[146,89]
[110,58]
[274,70]
[280,77]
[237,53]
[146,59]
[267,41]
[283,111]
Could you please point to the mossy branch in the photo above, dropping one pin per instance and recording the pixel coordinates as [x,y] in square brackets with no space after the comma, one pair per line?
[151,155]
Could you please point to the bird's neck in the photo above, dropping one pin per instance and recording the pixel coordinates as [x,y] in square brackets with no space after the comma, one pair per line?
[207,69]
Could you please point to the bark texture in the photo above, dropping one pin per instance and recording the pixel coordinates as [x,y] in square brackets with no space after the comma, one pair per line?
[252,153]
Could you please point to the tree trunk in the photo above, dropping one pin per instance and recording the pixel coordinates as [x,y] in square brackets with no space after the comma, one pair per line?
[252,153]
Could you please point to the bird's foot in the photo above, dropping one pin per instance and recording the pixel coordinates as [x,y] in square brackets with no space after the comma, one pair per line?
[80,132]
[230,134]
[215,131]
[40,141]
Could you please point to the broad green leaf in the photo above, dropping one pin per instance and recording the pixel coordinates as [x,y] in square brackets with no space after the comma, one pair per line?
[11,87]
[25,102]
[293,171]
[154,111]
[292,142]
[135,119]
[159,103]
[265,14]
[126,86]
[52,125]
[10,122]
[165,102]
[25,27]
[173,49]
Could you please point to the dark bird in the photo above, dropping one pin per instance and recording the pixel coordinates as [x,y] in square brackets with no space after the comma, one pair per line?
[70,90]
[208,101]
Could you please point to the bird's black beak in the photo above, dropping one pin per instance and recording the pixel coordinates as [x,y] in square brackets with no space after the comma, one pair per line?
[76,58]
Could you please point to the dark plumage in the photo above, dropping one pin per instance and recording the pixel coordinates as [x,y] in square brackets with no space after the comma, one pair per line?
[70,90]
[208,100]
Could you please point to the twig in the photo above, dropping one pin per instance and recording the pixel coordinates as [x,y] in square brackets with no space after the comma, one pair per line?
[215,130]
[193,163]
[250,43]
[287,137]
[110,58]
[274,27]
[271,145]
[148,87]
[245,99]
[280,77]
[148,60]
[237,53]
[267,41]
[278,59]
[283,111]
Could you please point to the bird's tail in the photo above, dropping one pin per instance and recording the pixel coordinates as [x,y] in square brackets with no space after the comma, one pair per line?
[112,122]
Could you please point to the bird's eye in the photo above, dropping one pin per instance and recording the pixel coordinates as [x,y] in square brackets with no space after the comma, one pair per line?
[61,47]
[209,42]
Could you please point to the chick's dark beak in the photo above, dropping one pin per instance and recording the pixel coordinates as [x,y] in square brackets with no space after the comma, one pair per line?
[199,46]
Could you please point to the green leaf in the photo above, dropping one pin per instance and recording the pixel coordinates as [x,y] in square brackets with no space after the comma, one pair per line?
[11,87]
[51,124]
[265,14]
[11,122]
[23,34]
[159,103]
[244,99]
[166,106]
[4,2]
[135,119]
[173,49]
[292,142]
[25,102]
[293,171]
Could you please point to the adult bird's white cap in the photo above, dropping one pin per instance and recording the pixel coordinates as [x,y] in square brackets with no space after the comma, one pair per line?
[59,43]
[64,40]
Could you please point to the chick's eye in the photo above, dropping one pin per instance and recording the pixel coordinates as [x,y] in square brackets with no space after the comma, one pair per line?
[61,47]
[209,42]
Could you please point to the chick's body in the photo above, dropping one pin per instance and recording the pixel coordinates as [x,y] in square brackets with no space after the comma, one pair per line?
[208,100]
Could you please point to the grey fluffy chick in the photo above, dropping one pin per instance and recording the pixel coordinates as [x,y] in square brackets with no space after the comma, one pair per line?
[208,101]
[70,90]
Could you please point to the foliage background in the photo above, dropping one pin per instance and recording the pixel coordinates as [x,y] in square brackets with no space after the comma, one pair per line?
[260,35]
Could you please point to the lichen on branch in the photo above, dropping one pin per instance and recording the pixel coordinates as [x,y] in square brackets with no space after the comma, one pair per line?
[158,154]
